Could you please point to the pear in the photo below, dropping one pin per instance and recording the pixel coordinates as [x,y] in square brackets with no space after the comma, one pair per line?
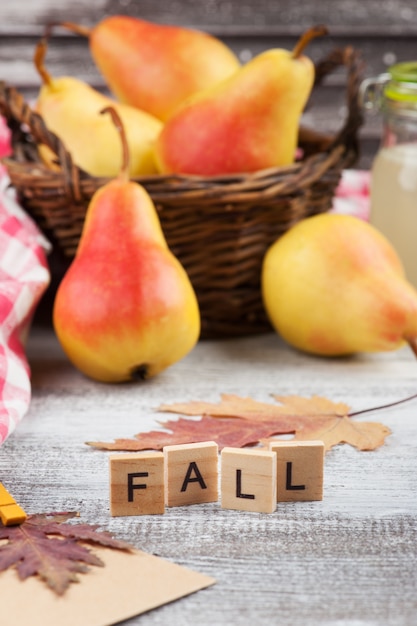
[71,109]
[248,122]
[125,309]
[333,285]
[156,66]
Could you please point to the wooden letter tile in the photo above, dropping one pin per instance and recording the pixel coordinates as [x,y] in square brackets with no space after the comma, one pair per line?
[191,473]
[300,466]
[248,480]
[137,484]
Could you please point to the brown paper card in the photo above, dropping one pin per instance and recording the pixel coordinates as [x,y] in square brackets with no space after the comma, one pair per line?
[129,584]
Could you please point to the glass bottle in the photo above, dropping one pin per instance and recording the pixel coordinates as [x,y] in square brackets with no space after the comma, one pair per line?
[393,208]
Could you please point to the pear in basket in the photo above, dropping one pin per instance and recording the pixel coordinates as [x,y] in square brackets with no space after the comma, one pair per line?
[156,66]
[125,309]
[248,122]
[333,285]
[71,109]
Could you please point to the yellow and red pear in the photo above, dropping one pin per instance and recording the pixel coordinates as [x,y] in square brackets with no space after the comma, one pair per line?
[71,109]
[156,66]
[334,285]
[125,308]
[248,122]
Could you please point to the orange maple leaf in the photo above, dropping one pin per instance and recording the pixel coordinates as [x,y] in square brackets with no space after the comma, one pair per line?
[308,418]
[247,408]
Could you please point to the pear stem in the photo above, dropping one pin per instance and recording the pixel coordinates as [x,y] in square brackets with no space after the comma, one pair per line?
[412,342]
[39,61]
[383,406]
[413,345]
[311,33]
[84,31]
[124,170]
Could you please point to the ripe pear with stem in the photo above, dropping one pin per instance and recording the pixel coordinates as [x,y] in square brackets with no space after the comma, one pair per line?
[125,309]
[71,109]
[248,122]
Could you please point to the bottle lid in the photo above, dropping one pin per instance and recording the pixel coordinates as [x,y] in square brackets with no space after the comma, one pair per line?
[402,85]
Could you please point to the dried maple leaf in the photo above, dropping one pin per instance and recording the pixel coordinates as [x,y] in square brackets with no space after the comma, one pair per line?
[226,432]
[239,422]
[45,546]
[308,418]
[361,435]
[247,408]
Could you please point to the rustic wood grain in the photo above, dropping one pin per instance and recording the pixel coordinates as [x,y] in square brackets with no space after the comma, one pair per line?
[349,559]
[369,14]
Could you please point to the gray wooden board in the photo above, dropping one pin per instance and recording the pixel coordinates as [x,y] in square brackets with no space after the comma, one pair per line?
[363,14]
[348,560]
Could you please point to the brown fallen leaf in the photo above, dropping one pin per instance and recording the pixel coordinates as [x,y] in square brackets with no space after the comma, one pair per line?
[226,432]
[308,418]
[47,547]
[239,422]
[235,406]
[336,430]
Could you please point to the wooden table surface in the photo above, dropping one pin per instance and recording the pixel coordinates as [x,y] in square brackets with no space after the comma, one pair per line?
[348,560]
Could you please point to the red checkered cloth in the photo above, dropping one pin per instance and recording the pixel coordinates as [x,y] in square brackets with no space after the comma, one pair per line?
[24,276]
[353,194]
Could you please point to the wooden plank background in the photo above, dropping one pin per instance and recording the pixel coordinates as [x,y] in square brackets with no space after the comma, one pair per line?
[384,33]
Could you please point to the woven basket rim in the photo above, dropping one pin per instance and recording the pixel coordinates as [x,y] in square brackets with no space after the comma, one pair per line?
[235,188]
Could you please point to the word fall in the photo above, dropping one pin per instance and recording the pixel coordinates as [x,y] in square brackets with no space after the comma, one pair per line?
[251,479]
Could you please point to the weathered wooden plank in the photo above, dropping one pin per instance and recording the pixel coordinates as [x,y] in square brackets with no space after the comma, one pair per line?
[70,54]
[249,14]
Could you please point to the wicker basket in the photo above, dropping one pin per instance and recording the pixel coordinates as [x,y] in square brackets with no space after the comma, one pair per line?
[218,227]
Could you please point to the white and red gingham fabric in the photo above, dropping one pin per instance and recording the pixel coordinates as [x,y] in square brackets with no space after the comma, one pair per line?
[24,276]
[353,194]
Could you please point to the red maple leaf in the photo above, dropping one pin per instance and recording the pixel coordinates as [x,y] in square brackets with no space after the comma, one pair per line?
[226,432]
[239,422]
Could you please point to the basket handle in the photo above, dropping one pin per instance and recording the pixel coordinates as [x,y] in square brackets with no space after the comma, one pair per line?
[18,115]
[352,60]
[14,106]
